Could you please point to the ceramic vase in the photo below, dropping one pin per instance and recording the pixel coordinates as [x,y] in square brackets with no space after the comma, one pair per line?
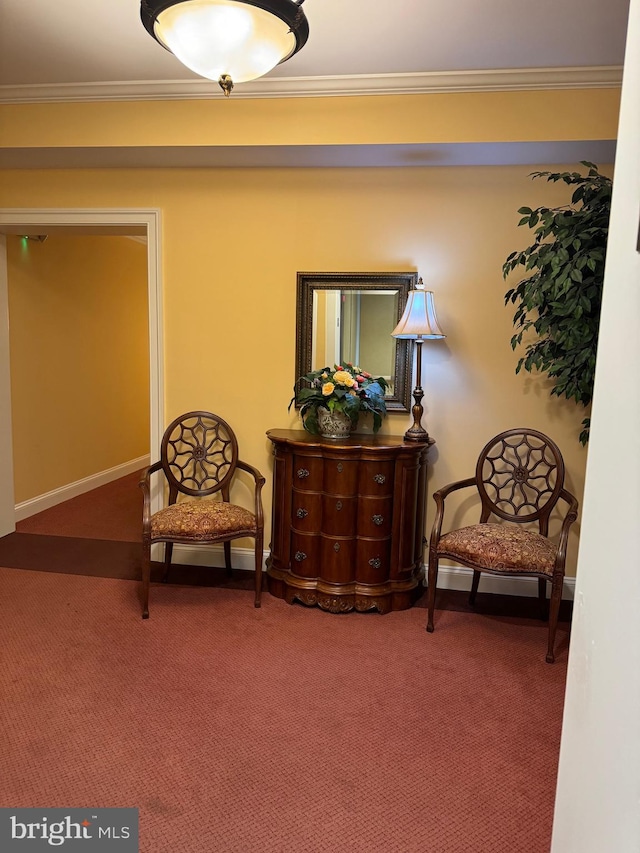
[334,425]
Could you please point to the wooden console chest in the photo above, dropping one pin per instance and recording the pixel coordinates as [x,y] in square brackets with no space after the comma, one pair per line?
[348,521]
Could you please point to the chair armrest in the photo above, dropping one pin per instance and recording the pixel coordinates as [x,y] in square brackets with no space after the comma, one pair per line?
[452,487]
[257,476]
[570,516]
[260,481]
[145,484]
[439,498]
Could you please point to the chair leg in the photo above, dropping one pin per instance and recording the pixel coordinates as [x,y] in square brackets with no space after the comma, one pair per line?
[432,581]
[474,587]
[554,610]
[146,577]
[258,570]
[227,558]
[168,553]
[542,598]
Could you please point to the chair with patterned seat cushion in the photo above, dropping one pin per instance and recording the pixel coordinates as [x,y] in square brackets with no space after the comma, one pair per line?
[519,479]
[199,459]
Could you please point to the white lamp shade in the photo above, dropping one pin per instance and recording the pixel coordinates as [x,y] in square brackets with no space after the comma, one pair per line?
[225,37]
[419,319]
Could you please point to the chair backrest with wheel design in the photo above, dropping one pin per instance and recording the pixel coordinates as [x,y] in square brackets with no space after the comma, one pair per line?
[199,455]
[519,478]
[199,459]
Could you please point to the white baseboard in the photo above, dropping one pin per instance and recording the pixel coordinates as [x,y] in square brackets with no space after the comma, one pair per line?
[459,577]
[449,577]
[212,555]
[38,504]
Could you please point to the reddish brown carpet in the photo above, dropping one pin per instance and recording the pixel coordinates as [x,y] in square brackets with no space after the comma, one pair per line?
[112,511]
[279,730]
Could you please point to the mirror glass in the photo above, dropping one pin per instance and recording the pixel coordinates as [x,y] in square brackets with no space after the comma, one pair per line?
[349,317]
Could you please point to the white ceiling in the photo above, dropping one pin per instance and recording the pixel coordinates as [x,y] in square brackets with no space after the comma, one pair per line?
[57,50]
[103,41]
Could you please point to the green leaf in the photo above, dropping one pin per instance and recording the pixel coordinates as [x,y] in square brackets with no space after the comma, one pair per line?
[560,299]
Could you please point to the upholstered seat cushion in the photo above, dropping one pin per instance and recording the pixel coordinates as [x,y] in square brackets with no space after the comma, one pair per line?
[499,547]
[201,520]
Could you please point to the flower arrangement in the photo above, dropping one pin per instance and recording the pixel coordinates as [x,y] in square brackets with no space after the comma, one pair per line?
[345,389]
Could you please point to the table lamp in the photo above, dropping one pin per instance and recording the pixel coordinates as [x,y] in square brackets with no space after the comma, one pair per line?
[418,323]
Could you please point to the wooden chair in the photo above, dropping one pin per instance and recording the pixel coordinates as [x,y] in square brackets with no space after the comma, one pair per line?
[199,459]
[520,479]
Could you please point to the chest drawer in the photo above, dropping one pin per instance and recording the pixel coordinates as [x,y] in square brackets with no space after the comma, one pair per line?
[338,559]
[308,472]
[375,517]
[341,477]
[339,515]
[376,478]
[305,555]
[306,511]
[373,560]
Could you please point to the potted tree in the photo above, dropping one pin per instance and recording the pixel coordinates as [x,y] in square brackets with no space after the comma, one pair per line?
[560,297]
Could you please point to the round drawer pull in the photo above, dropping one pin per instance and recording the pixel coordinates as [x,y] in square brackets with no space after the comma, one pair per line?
[339,466]
[300,556]
[339,505]
[302,513]
[378,520]
[336,547]
[379,479]
[375,562]
[302,473]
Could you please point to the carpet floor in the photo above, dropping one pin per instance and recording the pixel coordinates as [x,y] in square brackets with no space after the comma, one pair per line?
[110,512]
[279,730]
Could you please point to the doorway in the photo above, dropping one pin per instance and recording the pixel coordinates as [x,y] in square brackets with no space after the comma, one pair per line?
[126,222]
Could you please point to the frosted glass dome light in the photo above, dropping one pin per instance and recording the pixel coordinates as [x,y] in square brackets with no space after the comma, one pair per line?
[231,41]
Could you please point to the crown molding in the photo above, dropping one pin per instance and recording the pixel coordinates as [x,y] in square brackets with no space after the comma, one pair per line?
[428,82]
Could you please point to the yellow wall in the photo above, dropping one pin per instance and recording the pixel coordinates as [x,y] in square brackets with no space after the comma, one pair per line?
[447,117]
[233,241]
[79,358]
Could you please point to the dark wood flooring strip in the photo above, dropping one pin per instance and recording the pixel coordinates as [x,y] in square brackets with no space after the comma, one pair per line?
[103,558]
[110,559]
[71,556]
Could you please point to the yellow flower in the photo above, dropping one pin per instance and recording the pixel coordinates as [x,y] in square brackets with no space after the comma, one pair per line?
[342,377]
[328,388]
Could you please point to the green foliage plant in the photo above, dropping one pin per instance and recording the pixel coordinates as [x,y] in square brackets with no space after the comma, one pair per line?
[560,297]
[345,389]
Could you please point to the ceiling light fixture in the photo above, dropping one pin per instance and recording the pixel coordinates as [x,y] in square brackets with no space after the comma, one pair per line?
[230,41]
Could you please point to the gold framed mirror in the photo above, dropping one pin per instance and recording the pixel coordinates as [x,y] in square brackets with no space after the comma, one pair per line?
[349,317]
